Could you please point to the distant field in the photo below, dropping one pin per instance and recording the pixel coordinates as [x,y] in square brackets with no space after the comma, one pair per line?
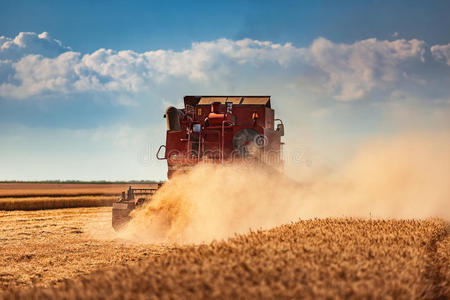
[56,189]
[32,196]
[311,259]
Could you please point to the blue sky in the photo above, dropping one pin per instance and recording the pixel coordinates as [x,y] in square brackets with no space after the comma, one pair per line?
[83,85]
[144,25]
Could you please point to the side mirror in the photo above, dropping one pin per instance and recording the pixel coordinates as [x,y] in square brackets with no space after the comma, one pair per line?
[159,150]
[280,129]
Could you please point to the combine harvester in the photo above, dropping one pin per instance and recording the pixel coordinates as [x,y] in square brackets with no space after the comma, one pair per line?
[212,129]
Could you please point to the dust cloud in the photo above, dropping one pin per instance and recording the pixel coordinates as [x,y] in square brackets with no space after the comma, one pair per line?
[403,176]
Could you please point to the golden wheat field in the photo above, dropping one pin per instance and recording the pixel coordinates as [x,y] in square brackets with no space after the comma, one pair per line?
[74,254]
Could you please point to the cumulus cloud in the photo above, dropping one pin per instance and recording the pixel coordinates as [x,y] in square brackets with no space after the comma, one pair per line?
[34,65]
[128,71]
[441,53]
[354,69]
[38,74]
[30,43]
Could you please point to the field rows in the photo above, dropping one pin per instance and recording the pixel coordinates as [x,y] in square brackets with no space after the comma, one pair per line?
[62,189]
[53,195]
[37,203]
[35,196]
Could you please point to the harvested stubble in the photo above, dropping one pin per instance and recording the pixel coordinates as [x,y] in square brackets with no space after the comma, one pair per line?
[327,258]
[37,203]
[44,247]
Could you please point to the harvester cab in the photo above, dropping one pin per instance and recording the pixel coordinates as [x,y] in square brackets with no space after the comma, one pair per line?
[212,129]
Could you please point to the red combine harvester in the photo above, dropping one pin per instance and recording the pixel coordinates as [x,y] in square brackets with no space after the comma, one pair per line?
[212,129]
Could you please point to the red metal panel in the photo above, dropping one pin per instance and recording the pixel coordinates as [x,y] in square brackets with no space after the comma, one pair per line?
[186,148]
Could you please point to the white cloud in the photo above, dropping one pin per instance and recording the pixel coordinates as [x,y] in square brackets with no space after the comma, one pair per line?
[353,70]
[31,66]
[30,43]
[38,74]
[441,53]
